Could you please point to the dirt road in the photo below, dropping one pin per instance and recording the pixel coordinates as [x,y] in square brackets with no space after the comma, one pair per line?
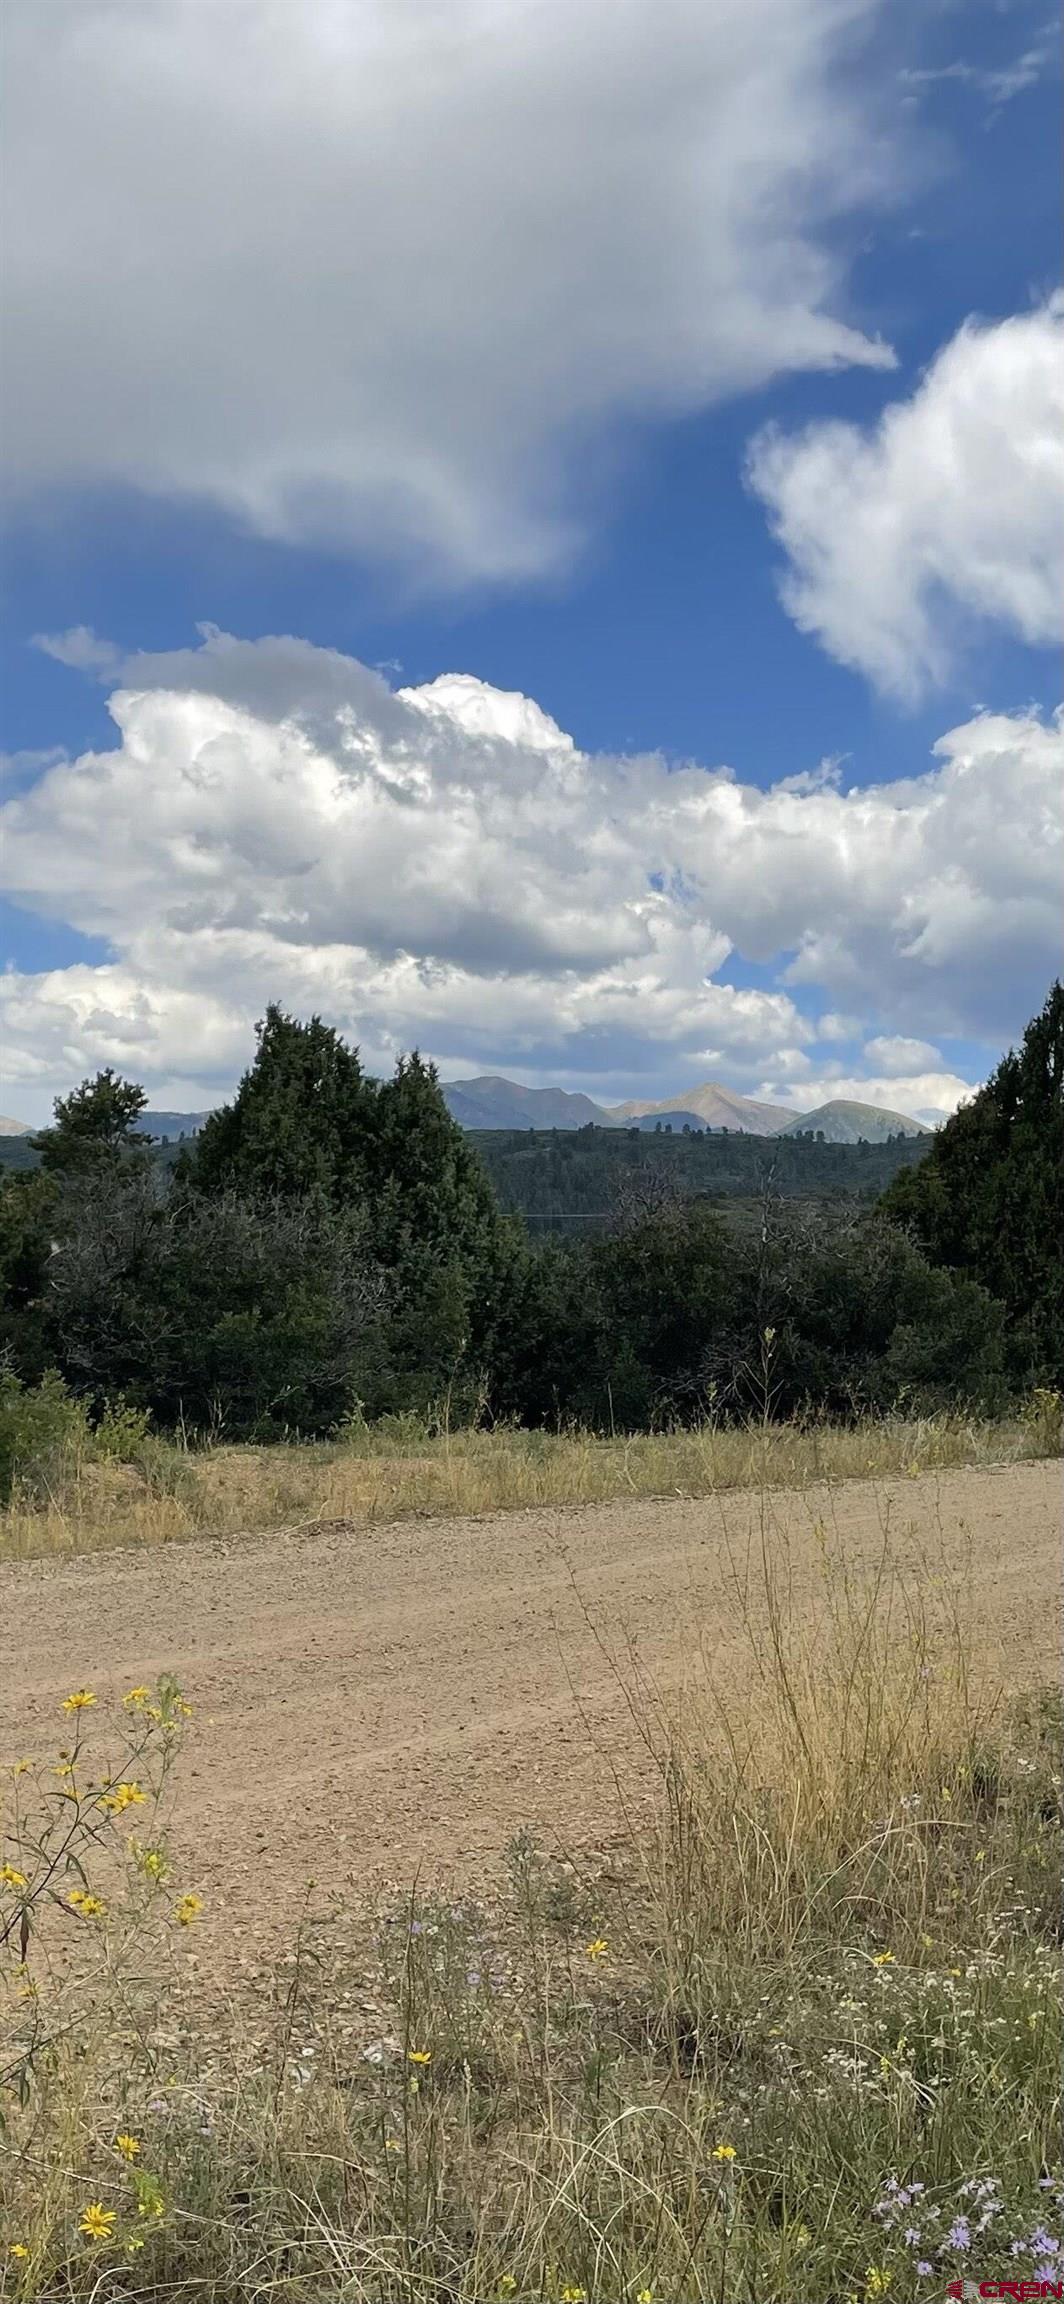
[371,1702]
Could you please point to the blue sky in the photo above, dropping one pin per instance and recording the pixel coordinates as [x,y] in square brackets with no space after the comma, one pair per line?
[535,455]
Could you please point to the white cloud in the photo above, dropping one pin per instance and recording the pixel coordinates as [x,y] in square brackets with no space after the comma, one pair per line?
[949,512]
[443,866]
[390,277]
[927,1096]
[81,650]
[898,1056]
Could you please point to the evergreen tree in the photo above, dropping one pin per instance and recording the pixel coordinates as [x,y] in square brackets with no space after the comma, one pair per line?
[437,1229]
[989,1198]
[96,1126]
[297,1124]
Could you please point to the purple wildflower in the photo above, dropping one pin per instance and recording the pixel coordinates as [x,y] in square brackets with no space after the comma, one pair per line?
[959,2234]
[924,2269]
[1042,2243]
[911,2236]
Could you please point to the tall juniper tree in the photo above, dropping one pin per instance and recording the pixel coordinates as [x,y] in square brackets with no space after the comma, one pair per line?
[989,1198]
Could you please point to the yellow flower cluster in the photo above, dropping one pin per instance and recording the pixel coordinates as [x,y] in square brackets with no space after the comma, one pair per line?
[11,1878]
[88,1907]
[598,1949]
[187,1909]
[79,1700]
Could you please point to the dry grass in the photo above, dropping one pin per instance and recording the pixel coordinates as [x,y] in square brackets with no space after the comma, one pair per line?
[806,2044]
[385,1472]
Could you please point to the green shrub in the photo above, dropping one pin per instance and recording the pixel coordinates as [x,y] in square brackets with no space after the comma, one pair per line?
[39,1425]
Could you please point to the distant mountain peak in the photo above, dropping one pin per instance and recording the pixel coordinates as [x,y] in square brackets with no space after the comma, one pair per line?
[844,1121]
[716,1107]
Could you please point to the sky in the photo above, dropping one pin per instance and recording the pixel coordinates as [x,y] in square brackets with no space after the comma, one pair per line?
[534,532]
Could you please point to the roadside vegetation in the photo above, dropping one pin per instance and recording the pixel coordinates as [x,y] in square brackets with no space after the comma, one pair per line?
[802,2040]
[74,1486]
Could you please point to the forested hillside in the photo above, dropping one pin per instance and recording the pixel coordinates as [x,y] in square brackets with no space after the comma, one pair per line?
[332,1246]
[562,1180]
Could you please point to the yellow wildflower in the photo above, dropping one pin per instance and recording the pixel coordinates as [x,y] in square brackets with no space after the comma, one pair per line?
[121,1797]
[137,1696]
[802,2238]
[392,2144]
[882,1959]
[723,2151]
[507,2284]
[598,1949]
[19,2250]
[644,2296]
[187,1909]
[10,1878]
[127,2145]
[980,1855]
[877,2280]
[90,1907]
[420,2055]
[79,1700]
[98,2222]
[574,2296]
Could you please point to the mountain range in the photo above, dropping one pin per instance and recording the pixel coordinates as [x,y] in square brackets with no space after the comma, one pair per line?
[493,1102]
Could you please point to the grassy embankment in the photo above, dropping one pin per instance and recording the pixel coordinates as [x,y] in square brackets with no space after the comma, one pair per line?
[807,2045]
[84,1492]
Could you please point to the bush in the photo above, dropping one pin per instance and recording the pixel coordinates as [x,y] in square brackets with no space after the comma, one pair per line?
[40,1425]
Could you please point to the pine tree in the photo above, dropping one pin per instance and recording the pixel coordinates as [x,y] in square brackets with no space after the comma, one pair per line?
[97,1125]
[297,1124]
[988,1199]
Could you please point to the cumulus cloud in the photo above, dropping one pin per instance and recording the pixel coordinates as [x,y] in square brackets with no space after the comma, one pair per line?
[899,1056]
[949,512]
[380,277]
[442,866]
[927,1096]
[80,649]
